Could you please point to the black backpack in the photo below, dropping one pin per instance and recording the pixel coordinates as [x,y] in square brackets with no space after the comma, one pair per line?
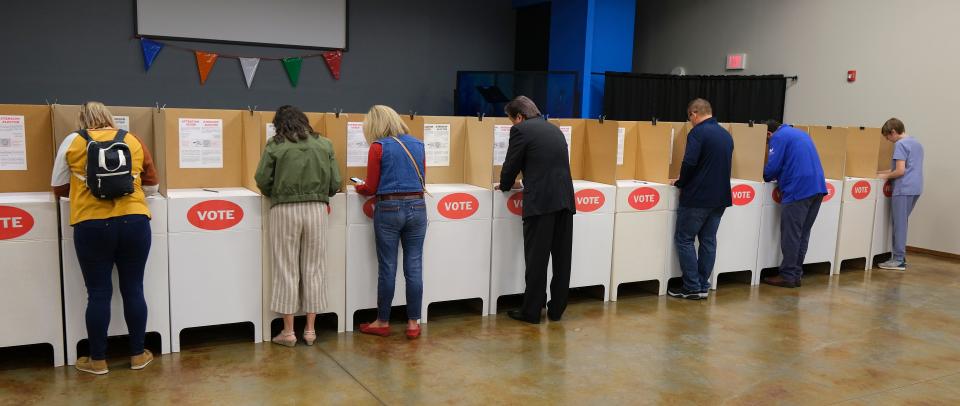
[109,166]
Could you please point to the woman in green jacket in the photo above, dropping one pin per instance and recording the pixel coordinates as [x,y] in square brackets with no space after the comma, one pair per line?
[298,173]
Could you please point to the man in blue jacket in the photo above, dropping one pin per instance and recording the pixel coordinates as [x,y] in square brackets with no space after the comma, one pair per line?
[704,195]
[793,162]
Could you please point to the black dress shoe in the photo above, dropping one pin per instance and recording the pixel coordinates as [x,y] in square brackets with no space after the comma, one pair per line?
[781,282]
[552,318]
[518,315]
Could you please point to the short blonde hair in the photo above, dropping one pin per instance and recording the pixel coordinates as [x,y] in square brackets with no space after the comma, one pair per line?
[94,114]
[381,122]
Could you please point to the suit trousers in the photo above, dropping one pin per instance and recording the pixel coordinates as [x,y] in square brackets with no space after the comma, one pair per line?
[544,236]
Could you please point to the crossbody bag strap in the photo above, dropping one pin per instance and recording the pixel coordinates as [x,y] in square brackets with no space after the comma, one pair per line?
[423,184]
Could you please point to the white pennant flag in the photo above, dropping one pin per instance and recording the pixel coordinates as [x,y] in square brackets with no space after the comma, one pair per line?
[249,66]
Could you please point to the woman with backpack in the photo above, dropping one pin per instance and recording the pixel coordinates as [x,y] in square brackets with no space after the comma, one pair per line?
[395,174]
[111,225]
[299,174]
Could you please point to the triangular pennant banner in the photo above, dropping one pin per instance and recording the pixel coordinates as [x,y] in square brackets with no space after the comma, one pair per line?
[150,50]
[292,66]
[205,61]
[249,66]
[333,59]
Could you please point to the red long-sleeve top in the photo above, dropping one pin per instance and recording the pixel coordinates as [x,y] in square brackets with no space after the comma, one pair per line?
[369,186]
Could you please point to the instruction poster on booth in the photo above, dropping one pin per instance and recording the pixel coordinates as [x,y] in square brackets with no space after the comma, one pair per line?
[357,147]
[122,122]
[13,143]
[436,140]
[567,135]
[201,143]
[501,140]
[270,130]
[621,135]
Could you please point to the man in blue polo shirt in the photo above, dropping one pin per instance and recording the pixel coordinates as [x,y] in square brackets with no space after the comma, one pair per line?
[704,184]
[793,162]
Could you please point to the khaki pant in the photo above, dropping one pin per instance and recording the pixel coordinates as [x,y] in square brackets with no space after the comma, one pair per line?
[298,239]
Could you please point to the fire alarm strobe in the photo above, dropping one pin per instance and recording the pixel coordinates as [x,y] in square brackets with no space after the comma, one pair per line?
[851,76]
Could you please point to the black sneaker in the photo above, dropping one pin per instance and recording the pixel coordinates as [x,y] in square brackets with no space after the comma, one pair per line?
[683,293]
[704,293]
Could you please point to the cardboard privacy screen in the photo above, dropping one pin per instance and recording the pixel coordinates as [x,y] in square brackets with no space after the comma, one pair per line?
[749,150]
[200,148]
[32,149]
[863,152]
[831,146]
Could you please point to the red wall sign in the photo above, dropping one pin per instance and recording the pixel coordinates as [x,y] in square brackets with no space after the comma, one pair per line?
[215,214]
[831,191]
[456,206]
[368,206]
[643,198]
[515,203]
[888,189]
[743,194]
[589,200]
[14,222]
[861,190]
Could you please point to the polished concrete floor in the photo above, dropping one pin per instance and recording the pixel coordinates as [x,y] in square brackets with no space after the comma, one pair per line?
[860,338]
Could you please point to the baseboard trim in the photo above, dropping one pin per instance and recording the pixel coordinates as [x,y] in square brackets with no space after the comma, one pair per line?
[933,252]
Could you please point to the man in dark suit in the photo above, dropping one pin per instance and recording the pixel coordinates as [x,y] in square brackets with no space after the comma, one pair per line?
[538,150]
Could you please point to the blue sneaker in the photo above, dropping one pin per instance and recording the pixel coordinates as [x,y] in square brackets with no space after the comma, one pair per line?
[894,265]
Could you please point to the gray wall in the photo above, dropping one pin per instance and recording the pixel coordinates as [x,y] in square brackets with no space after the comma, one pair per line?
[401,53]
[904,53]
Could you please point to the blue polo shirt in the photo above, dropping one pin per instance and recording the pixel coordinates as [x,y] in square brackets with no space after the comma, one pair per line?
[794,163]
[704,180]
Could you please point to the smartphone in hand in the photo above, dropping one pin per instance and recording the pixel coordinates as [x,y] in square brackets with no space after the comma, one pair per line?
[357,181]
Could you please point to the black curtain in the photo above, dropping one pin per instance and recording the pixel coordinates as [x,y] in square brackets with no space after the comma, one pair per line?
[532,44]
[735,99]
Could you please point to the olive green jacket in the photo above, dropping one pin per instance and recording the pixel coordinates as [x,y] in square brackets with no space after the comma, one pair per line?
[303,171]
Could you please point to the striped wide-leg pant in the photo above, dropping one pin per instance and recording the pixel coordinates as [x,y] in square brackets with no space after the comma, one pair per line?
[298,239]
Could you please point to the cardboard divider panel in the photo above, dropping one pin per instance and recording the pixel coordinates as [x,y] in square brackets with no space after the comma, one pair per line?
[749,152]
[597,152]
[831,145]
[679,142]
[627,149]
[38,149]
[576,129]
[885,158]
[335,127]
[259,124]
[490,127]
[653,152]
[863,152]
[235,170]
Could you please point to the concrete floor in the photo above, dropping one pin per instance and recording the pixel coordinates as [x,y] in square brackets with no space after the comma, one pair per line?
[860,338]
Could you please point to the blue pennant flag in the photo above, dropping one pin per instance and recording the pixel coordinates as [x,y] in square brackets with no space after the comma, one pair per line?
[150,50]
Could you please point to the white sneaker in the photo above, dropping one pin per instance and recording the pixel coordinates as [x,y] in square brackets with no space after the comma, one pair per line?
[894,265]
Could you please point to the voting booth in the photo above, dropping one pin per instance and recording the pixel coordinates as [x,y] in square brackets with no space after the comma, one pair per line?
[507,261]
[260,125]
[139,122]
[738,238]
[859,199]
[28,231]
[214,218]
[645,206]
[831,149]
[883,218]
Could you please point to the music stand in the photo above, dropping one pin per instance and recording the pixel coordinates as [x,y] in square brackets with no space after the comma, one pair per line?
[491,96]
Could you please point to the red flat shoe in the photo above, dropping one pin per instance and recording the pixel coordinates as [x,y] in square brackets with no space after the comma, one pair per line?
[377,331]
[413,333]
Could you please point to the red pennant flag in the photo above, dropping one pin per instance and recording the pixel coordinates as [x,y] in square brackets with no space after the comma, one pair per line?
[205,61]
[333,59]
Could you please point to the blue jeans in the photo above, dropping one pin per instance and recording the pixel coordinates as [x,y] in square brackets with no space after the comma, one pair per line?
[702,224]
[125,242]
[397,222]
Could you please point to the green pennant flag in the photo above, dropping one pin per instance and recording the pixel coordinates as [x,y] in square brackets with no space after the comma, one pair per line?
[292,66]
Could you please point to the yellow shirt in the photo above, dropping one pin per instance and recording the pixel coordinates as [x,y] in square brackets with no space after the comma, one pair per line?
[72,161]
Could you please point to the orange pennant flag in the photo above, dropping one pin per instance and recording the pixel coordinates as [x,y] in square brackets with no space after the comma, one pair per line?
[205,61]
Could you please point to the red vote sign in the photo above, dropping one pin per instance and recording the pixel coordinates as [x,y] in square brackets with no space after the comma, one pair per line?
[589,200]
[456,206]
[14,222]
[742,194]
[215,215]
[643,198]
[888,189]
[515,203]
[368,206]
[861,190]
[831,191]
[777,194]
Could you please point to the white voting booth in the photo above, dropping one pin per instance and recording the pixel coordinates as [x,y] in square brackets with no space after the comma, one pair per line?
[738,238]
[139,121]
[214,219]
[645,206]
[823,237]
[334,281]
[859,199]
[28,231]
[592,149]
[883,219]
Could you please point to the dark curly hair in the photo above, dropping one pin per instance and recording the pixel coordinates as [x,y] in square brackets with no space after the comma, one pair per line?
[291,125]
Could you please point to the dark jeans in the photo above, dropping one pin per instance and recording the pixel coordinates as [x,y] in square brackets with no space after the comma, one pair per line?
[545,236]
[397,222]
[796,221]
[702,224]
[125,242]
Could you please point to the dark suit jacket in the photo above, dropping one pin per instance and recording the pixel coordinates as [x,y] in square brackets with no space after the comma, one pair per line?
[538,150]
